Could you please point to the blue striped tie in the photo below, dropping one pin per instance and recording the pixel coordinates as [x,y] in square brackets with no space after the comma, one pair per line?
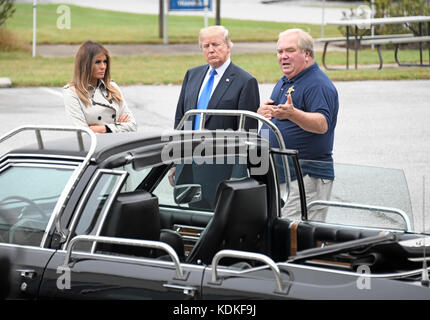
[204,98]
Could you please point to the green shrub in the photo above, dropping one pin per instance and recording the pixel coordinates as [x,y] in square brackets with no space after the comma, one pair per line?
[6,10]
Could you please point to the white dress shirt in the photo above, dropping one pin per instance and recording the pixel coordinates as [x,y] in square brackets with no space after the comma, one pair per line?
[219,73]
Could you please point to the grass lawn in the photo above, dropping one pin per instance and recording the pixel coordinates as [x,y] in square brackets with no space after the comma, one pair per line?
[164,69]
[118,27]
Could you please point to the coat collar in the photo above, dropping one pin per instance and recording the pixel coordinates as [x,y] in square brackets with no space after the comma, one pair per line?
[100,85]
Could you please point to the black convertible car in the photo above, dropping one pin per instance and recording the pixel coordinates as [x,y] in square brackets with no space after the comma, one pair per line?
[196,215]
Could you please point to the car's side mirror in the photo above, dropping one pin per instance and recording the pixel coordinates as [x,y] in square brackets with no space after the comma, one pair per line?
[187,193]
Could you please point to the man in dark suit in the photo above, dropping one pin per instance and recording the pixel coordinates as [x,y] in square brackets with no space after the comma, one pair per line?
[233,89]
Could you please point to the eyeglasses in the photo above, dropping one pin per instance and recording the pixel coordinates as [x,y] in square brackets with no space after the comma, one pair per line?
[215,45]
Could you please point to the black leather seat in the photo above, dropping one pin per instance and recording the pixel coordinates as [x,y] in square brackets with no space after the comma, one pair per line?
[133,215]
[174,239]
[239,220]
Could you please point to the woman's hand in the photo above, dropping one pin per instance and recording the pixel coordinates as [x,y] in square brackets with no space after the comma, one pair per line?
[98,128]
[124,118]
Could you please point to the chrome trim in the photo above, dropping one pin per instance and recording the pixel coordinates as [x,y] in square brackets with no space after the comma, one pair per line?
[399,275]
[42,165]
[88,190]
[121,241]
[246,255]
[420,242]
[190,238]
[363,207]
[187,290]
[47,160]
[123,175]
[189,227]
[131,259]
[35,164]
[242,114]
[43,155]
[21,247]
[192,211]
[278,195]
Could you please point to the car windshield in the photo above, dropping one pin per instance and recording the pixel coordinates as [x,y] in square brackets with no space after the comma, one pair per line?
[364,196]
[28,195]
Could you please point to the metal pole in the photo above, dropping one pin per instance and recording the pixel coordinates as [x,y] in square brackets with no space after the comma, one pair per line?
[322,19]
[218,13]
[34,27]
[161,18]
[206,5]
[372,15]
[165,22]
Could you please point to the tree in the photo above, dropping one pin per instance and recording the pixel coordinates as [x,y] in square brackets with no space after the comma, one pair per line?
[6,10]
[398,8]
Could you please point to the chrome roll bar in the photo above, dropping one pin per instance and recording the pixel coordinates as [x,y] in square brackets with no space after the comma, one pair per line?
[129,242]
[73,180]
[242,116]
[249,256]
[349,205]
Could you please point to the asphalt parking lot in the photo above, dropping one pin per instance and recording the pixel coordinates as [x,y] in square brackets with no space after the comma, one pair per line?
[380,123]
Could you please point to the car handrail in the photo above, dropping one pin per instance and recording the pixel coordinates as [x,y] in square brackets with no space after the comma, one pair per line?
[243,114]
[363,207]
[130,242]
[250,256]
[73,180]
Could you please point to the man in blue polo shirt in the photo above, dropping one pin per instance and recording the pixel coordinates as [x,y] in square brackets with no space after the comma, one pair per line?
[304,106]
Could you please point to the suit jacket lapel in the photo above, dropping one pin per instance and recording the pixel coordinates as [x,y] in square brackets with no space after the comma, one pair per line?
[223,84]
[196,82]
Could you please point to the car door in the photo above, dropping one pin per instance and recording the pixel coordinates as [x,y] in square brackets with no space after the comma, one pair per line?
[84,271]
[29,192]
[265,280]
[103,276]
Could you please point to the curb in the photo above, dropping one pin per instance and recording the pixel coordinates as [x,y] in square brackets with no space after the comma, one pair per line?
[5,83]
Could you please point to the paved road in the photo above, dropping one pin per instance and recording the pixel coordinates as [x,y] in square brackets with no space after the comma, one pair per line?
[381,123]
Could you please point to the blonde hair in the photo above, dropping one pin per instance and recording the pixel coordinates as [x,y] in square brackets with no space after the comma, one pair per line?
[216,29]
[305,40]
[84,62]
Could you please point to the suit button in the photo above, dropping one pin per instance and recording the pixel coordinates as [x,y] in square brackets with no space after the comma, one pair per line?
[99,118]
[113,116]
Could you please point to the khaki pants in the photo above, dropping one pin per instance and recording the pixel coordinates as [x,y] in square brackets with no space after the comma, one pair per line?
[316,189]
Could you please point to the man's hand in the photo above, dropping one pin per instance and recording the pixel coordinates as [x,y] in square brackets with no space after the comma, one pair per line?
[266,109]
[284,111]
[313,122]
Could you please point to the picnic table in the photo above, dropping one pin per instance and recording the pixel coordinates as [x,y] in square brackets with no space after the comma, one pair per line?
[354,26]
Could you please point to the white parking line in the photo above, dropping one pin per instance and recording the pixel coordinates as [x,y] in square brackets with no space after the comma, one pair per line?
[52,91]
